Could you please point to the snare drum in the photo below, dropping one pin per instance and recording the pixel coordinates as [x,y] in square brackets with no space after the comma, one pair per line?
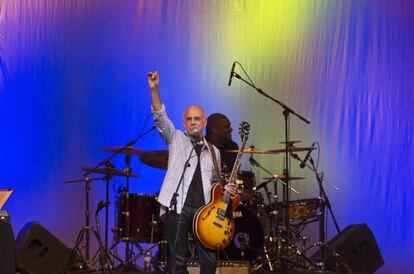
[144,223]
[301,209]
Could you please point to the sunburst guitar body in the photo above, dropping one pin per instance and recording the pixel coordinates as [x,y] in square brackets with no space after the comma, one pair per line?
[213,223]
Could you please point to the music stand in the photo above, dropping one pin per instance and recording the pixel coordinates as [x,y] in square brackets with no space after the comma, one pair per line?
[5,194]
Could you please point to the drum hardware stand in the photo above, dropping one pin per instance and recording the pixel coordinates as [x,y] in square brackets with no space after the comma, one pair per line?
[84,234]
[127,264]
[324,200]
[275,235]
[286,171]
[106,162]
[150,262]
[103,254]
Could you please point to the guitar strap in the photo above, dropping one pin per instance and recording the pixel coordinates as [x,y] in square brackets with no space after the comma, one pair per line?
[216,166]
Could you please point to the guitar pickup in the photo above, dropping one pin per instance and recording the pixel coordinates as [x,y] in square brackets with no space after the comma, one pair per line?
[220,214]
[217,224]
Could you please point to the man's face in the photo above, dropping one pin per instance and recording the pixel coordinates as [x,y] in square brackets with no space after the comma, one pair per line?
[224,130]
[194,117]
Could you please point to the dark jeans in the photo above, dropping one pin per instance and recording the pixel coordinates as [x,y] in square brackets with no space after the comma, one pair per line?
[178,226]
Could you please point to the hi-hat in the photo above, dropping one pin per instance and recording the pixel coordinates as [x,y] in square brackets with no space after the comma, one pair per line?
[155,158]
[109,171]
[125,150]
[290,149]
[282,177]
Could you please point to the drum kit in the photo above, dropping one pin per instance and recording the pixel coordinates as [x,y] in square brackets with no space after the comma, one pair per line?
[259,230]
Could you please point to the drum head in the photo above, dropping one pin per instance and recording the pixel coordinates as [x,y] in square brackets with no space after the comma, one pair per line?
[248,238]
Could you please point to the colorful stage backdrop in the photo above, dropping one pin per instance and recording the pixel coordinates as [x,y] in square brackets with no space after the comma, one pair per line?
[73,80]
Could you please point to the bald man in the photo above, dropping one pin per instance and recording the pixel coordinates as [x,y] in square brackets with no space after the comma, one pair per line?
[190,174]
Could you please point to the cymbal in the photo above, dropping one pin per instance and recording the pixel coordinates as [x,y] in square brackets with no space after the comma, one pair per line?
[290,149]
[282,177]
[251,150]
[155,158]
[109,171]
[126,150]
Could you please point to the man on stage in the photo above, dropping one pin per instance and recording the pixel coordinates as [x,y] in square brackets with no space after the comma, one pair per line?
[190,174]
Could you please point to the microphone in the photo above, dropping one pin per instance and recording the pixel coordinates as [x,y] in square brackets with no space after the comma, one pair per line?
[195,135]
[232,73]
[101,205]
[262,185]
[303,163]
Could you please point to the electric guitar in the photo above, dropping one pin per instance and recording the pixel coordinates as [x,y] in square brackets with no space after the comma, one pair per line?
[213,223]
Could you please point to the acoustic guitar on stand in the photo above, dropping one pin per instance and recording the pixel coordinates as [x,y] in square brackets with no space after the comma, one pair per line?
[213,223]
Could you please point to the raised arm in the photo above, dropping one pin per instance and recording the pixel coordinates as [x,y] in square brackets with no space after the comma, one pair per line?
[164,125]
[153,82]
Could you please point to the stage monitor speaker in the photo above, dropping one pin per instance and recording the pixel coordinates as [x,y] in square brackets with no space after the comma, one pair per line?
[356,245]
[40,251]
[8,258]
[225,267]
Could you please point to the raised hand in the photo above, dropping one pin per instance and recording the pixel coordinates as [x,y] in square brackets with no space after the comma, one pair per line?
[153,79]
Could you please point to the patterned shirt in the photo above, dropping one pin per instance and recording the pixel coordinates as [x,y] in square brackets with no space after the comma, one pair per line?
[179,149]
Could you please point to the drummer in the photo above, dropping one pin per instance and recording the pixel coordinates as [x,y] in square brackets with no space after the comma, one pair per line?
[218,132]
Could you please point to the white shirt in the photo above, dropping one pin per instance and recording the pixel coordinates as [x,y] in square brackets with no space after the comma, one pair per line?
[179,148]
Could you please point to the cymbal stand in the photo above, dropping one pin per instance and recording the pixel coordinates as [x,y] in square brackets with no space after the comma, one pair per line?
[127,263]
[286,171]
[103,254]
[106,161]
[324,202]
[82,244]
[128,171]
[274,239]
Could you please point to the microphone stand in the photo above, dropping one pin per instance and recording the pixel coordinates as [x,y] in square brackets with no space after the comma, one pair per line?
[106,162]
[286,112]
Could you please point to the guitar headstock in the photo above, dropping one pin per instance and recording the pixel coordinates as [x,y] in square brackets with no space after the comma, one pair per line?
[244,129]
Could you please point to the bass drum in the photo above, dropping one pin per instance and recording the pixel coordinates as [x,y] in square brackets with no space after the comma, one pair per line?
[248,237]
[144,223]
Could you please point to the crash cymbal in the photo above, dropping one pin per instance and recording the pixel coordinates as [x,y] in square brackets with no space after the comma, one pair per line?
[109,171]
[251,150]
[126,150]
[155,158]
[282,177]
[290,149]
